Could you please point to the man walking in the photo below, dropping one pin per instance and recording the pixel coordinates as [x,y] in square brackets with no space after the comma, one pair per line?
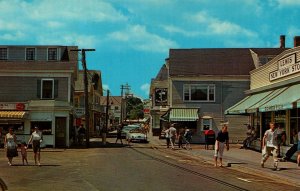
[173,135]
[269,146]
[221,140]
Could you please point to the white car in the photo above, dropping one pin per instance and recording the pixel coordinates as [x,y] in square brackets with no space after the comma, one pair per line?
[136,135]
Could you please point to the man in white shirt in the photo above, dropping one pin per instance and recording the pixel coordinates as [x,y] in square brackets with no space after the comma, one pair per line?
[269,145]
[173,134]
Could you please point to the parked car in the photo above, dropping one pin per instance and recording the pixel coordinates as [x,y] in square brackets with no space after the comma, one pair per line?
[125,130]
[136,135]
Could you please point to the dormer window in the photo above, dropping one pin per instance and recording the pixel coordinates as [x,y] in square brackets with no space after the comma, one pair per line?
[3,53]
[30,53]
[52,54]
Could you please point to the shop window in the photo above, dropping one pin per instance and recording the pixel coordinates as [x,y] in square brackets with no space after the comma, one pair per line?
[266,119]
[199,92]
[206,124]
[18,127]
[294,123]
[44,126]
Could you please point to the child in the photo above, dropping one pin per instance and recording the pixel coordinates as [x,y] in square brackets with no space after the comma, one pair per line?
[24,152]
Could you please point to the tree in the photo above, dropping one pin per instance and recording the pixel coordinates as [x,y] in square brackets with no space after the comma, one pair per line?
[135,108]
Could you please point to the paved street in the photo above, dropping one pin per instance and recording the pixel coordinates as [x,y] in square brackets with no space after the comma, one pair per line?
[139,167]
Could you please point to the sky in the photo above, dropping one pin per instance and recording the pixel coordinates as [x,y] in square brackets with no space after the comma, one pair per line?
[132,38]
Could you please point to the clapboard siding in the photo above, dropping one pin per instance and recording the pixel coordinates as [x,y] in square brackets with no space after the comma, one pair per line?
[22,89]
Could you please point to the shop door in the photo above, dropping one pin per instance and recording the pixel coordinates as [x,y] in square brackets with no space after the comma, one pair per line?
[60,131]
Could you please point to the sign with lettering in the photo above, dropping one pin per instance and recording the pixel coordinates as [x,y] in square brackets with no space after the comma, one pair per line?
[286,66]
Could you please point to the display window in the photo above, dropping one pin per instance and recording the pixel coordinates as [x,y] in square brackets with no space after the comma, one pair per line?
[44,126]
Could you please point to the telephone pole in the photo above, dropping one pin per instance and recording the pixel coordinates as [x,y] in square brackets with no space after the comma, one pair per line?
[86,95]
[125,87]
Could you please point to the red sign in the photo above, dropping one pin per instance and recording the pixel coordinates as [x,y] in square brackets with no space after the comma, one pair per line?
[147,110]
[20,106]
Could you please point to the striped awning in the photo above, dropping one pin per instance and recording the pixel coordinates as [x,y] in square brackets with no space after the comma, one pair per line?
[12,114]
[184,114]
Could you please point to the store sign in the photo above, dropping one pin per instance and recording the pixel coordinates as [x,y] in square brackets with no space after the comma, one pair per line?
[12,106]
[161,96]
[286,67]
[274,108]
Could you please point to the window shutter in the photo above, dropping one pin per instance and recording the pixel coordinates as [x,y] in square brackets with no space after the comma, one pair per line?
[38,89]
[55,88]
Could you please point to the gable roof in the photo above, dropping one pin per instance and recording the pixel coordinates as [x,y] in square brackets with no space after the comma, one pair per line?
[215,61]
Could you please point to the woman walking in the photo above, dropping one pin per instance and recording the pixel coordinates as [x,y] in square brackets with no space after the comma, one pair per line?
[10,142]
[36,138]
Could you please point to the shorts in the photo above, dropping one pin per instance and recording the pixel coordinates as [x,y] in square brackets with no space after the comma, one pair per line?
[221,149]
[36,145]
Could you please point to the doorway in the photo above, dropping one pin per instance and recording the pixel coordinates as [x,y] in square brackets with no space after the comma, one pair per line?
[60,131]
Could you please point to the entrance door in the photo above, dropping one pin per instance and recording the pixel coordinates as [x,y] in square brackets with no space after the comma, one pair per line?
[60,131]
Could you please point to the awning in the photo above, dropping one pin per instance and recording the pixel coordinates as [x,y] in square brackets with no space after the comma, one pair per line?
[247,102]
[12,114]
[183,114]
[287,99]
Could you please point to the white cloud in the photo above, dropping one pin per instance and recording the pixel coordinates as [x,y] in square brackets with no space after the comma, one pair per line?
[146,88]
[140,39]
[15,36]
[83,41]
[219,27]
[282,3]
[105,86]
[174,29]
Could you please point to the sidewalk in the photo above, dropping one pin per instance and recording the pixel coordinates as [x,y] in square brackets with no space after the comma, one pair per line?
[247,161]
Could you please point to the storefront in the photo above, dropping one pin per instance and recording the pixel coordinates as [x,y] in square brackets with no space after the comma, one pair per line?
[274,97]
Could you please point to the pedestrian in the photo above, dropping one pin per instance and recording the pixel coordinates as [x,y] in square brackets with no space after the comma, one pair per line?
[221,140]
[10,142]
[281,138]
[270,146]
[288,155]
[180,137]
[167,132]
[246,142]
[173,135]
[298,152]
[119,134]
[24,152]
[187,138]
[81,134]
[36,139]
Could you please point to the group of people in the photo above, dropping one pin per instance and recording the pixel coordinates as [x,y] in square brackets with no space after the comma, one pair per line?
[271,145]
[11,146]
[183,136]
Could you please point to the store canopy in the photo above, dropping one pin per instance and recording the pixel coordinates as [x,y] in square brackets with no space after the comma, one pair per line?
[12,114]
[247,102]
[287,99]
[181,114]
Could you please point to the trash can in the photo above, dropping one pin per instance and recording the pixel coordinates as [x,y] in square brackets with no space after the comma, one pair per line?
[210,138]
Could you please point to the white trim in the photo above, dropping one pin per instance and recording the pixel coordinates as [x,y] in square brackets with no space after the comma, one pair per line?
[210,122]
[207,88]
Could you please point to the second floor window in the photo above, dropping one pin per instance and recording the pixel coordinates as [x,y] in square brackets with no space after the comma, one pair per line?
[52,53]
[30,53]
[47,89]
[3,53]
[199,92]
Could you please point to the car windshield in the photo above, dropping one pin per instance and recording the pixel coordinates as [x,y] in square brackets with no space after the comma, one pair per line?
[130,127]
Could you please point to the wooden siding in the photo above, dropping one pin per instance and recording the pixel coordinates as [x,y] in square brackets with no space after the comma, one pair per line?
[260,76]
[22,89]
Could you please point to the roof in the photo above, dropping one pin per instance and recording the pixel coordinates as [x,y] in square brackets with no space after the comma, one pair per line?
[162,74]
[215,61]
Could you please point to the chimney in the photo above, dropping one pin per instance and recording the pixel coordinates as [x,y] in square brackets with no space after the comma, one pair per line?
[296,41]
[282,41]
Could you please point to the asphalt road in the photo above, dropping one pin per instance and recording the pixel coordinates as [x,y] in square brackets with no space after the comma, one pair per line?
[135,168]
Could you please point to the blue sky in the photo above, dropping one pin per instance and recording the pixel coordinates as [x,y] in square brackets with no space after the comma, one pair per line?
[132,38]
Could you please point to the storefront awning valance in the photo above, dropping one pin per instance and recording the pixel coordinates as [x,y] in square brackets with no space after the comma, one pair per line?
[247,102]
[183,114]
[12,114]
[287,99]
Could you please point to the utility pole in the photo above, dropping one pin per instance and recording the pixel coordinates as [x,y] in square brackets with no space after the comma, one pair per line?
[86,95]
[106,119]
[124,100]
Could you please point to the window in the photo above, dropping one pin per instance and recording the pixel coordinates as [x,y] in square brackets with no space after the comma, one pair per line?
[116,107]
[3,53]
[199,92]
[206,124]
[44,126]
[52,53]
[47,89]
[30,53]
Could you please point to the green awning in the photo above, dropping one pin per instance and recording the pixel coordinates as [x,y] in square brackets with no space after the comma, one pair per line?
[247,102]
[287,99]
[184,114]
